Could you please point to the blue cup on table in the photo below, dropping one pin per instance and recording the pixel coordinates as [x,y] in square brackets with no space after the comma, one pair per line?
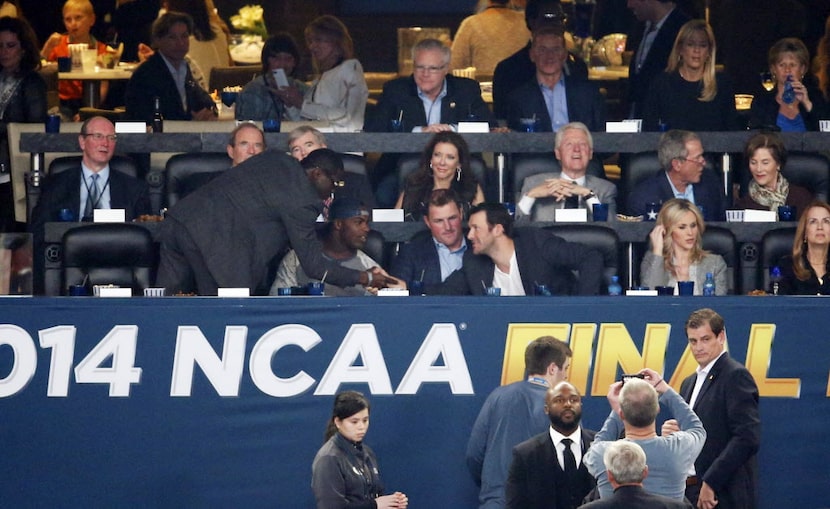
[530,125]
[66,216]
[271,125]
[511,208]
[686,288]
[541,290]
[316,288]
[416,287]
[53,124]
[786,213]
[284,292]
[396,125]
[664,290]
[64,64]
[599,212]
[493,291]
[78,291]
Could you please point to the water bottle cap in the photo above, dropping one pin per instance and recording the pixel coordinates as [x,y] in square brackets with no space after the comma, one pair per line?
[709,274]
[775,271]
[615,278]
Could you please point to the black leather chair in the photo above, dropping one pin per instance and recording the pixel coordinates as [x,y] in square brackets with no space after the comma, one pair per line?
[354,163]
[603,239]
[184,173]
[527,165]
[110,253]
[722,241]
[232,76]
[774,245]
[376,248]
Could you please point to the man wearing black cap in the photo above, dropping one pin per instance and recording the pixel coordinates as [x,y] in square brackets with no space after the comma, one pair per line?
[343,237]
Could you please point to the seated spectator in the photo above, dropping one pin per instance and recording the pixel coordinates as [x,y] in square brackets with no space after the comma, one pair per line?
[343,238]
[515,261]
[339,93]
[78,18]
[431,259]
[789,60]
[305,139]
[676,252]
[473,43]
[445,164]
[684,175]
[821,63]
[543,193]
[208,42]
[166,75]
[24,100]
[518,69]
[261,99]
[626,469]
[769,189]
[805,271]
[550,97]
[93,185]
[689,94]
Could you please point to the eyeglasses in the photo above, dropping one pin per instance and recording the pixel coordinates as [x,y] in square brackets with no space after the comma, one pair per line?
[698,160]
[101,137]
[429,69]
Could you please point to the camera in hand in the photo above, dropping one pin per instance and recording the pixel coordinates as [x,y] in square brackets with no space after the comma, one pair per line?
[626,378]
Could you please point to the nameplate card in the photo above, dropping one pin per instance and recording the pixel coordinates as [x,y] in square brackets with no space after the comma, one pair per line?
[473,127]
[109,216]
[111,291]
[393,292]
[632,125]
[824,126]
[234,292]
[760,216]
[641,293]
[387,215]
[130,128]
[570,215]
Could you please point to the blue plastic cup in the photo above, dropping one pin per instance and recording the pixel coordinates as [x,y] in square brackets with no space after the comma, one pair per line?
[511,208]
[66,215]
[786,213]
[64,64]
[493,291]
[53,124]
[600,212]
[686,288]
[664,290]
[529,124]
[78,291]
[396,126]
[416,287]
[316,288]
[541,290]
[284,292]
[271,125]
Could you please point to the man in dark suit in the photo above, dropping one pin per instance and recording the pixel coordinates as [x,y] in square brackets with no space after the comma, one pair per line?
[684,175]
[549,97]
[625,464]
[232,231]
[93,185]
[725,397]
[547,470]
[517,261]
[651,45]
[432,258]
[167,75]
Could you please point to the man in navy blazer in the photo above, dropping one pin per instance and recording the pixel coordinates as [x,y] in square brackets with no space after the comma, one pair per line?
[539,476]
[684,175]
[439,252]
[725,397]
[71,189]
[549,97]
[517,261]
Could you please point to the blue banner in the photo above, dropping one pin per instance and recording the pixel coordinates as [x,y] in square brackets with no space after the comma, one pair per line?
[206,402]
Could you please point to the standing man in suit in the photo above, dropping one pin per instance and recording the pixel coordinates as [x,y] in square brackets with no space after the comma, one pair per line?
[543,193]
[547,471]
[625,464]
[725,397]
[684,175]
[663,20]
[517,261]
[550,97]
[93,185]
[513,413]
[432,258]
[167,75]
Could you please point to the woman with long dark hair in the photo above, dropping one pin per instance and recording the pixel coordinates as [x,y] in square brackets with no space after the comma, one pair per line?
[805,272]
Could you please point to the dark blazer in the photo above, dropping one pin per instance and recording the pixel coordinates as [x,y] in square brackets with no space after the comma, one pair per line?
[764,110]
[585,104]
[231,231]
[462,100]
[543,258]
[537,481]
[656,60]
[419,254]
[656,189]
[28,105]
[728,407]
[517,69]
[791,285]
[153,79]
[635,497]
[356,186]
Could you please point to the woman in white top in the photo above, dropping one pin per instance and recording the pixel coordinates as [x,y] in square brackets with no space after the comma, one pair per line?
[208,42]
[339,93]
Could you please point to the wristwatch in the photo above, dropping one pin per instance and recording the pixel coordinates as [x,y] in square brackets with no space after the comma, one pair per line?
[591,194]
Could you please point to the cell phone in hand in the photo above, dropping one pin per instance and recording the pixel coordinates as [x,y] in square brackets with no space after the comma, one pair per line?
[625,378]
[281,78]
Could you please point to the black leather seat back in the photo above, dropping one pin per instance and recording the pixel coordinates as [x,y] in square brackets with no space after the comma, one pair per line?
[184,173]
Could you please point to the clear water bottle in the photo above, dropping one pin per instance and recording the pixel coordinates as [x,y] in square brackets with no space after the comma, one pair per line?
[774,280]
[614,288]
[709,285]
[788,95]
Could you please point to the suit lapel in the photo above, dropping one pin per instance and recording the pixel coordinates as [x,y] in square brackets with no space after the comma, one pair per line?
[542,107]
[711,377]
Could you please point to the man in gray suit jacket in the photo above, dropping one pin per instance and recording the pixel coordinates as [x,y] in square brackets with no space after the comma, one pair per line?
[543,193]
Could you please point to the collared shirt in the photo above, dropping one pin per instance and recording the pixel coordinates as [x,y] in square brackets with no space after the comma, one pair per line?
[103,188]
[510,284]
[702,375]
[648,40]
[556,102]
[450,261]
[689,194]
[432,109]
[179,76]
[576,445]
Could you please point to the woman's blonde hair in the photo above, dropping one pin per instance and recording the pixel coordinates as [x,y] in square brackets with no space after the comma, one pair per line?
[801,271]
[334,29]
[710,86]
[669,216]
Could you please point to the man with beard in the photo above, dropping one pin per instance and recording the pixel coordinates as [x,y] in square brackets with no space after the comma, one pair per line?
[634,408]
[511,414]
[547,471]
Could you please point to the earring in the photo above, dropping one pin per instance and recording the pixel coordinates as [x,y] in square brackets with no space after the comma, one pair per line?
[430,169]
[458,174]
